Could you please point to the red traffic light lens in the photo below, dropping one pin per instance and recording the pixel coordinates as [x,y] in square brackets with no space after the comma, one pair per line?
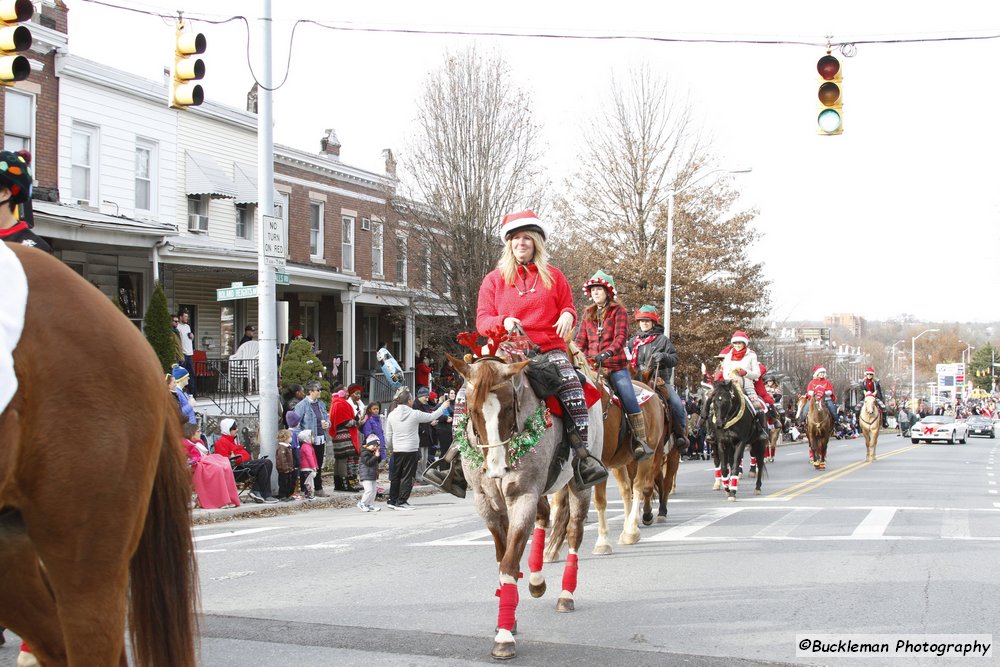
[829,94]
[828,67]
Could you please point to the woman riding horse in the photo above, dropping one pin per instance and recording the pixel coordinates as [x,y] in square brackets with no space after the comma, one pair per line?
[871,385]
[820,386]
[602,337]
[652,351]
[525,291]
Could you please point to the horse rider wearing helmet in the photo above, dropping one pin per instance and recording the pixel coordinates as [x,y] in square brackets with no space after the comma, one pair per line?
[15,190]
[871,385]
[819,385]
[740,360]
[650,349]
[525,291]
[602,337]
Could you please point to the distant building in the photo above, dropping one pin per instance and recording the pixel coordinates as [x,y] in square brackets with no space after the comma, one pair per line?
[853,323]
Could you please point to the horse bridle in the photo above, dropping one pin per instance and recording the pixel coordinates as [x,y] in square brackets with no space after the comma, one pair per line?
[515,387]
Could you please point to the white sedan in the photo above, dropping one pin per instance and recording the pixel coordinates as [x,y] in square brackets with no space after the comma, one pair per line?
[939,427]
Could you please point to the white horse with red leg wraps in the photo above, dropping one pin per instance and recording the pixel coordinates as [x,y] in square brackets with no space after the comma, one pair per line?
[507,451]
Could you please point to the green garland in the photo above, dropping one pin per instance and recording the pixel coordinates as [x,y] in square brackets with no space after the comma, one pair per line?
[520,444]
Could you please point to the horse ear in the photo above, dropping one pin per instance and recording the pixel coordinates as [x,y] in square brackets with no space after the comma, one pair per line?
[460,366]
[510,370]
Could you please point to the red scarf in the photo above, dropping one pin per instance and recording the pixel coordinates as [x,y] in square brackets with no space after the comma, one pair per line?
[10,231]
[736,356]
[635,348]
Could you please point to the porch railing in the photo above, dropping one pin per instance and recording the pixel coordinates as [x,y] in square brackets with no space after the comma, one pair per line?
[228,384]
[380,390]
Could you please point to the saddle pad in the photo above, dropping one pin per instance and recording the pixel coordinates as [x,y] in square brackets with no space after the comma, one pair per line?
[13,302]
[641,395]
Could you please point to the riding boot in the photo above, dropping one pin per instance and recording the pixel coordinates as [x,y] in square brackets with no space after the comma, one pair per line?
[446,473]
[640,450]
[354,484]
[340,483]
[680,438]
[762,422]
[587,469]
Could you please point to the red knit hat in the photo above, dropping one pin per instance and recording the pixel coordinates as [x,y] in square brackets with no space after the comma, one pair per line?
[523,220]
[740,337]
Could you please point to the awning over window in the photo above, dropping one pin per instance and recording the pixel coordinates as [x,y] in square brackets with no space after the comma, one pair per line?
[205,177]
[245,176]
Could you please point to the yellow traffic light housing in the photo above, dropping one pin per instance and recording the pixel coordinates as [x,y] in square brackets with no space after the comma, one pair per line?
[184,92]
[14,38]
[831,116]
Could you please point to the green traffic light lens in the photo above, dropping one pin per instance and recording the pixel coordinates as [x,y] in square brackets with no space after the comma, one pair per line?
[829,94]
[829,120]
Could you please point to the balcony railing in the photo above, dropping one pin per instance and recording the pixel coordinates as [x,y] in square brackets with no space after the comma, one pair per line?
[229,384]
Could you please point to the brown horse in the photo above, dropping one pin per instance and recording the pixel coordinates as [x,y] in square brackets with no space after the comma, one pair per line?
[507,460]
[870,421]
[819,426]
[94,488]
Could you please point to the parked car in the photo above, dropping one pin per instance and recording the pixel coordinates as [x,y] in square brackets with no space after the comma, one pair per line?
[979,425]
[939,427]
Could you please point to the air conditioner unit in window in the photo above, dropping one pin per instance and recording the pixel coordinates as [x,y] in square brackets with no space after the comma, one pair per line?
[197,222]
[366,224]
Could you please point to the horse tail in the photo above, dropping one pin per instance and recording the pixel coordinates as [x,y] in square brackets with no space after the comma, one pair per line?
[557,533]
[163,573]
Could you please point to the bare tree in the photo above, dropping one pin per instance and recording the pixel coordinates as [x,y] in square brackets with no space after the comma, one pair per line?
[474,157]
[615,219]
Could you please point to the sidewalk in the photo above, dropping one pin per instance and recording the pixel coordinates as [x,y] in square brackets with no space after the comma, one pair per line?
[333,499]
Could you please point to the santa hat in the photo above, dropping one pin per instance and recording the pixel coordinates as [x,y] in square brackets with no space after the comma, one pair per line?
[647,312]
[740,337]
[817,370]
[869,370]
[601,279]
[523,220]
[227,425]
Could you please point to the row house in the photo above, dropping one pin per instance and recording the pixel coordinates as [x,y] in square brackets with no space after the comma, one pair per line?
[130,193]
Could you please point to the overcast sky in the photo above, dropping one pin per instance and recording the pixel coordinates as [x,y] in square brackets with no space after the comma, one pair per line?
[897,215]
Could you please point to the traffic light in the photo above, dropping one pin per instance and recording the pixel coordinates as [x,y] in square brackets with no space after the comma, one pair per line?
[14,38]
[830,119]
[184,92]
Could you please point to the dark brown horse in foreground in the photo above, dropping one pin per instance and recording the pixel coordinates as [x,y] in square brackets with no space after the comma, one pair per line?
[501,422]
[94,489]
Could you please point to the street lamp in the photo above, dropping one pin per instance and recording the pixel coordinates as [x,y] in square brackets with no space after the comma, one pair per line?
[893,348]
[673,192]
[913,368]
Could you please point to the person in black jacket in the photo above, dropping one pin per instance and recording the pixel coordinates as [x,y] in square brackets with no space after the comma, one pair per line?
[650,349]
[871,384]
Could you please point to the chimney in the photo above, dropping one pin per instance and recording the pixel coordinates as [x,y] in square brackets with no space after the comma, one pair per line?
[53,14]
[330,145]
[390,162]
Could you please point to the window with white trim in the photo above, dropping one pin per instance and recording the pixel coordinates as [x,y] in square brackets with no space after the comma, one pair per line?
[347,245]
[145,176]
[401,267]
[245,214]
[198,214]
[84,161]
[19,121]
[378,253]
[316,211]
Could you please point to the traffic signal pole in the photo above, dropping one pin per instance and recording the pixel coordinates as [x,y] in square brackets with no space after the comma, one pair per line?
[266,316]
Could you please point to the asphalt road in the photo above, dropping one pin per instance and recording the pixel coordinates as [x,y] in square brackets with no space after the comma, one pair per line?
[907,545]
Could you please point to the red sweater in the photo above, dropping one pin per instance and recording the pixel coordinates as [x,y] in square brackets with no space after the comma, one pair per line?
[821,386]
[227,446]
[537,310]
[611,338]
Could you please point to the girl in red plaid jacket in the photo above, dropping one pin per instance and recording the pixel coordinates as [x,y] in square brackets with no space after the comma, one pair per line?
[602,336]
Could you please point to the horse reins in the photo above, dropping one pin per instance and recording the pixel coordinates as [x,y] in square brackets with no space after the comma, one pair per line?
[743,405]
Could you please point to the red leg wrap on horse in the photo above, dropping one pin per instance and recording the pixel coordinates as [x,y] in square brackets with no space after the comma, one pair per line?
[734,482]
[725,482]
[718,473]
[753,460]
[569,574]
[508,606]
[537,550]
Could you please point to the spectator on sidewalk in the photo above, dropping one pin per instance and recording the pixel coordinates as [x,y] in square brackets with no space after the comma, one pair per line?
[368,472]
[176,381]
[308,466]
[285,463]
[212,476]
[442,427]
[245,466]
[313,416]
[187,345]
[402,440]
[426,431]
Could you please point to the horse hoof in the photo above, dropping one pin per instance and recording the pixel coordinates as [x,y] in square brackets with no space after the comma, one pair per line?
[822,466]
[628,538]
[602,550]
[503,650]
[717,485]
[565,605]
[756,492]
[647,519]
[661,518]
[537,591]
[731,498]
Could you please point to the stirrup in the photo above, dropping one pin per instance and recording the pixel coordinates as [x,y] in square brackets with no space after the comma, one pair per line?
[588,472]
[447,476]
[640,451]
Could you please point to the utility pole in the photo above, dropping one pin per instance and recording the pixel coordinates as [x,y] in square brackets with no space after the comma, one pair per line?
[268,334]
